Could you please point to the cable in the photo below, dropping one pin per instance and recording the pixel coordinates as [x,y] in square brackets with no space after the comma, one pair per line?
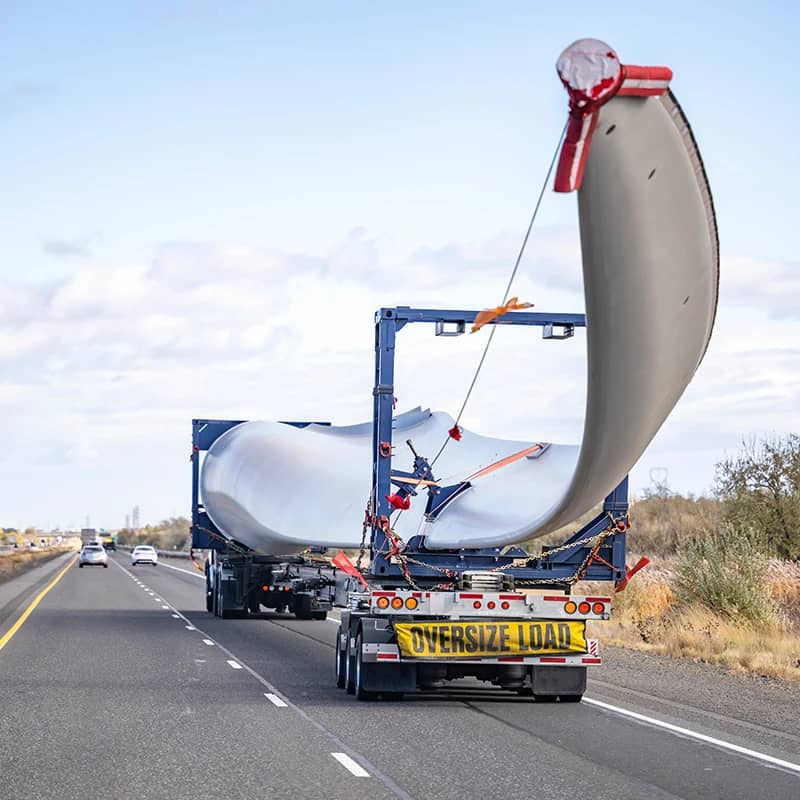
[507,291]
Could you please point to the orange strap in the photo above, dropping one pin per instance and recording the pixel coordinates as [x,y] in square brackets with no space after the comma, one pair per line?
[504,462]
[489,314]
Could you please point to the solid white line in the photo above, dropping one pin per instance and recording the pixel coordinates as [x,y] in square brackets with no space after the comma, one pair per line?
[234,664]
[701,737]
[351,765]
[275,700]
[194,573]
[208,642]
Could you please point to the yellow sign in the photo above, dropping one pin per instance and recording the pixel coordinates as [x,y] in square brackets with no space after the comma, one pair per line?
[489,639]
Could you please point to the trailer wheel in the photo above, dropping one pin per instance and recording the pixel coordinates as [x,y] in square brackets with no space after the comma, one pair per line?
[392,696]
[570,698]
[209,594]
[360,692]
[545,698]
[319,615]
[341,666]
[349,669]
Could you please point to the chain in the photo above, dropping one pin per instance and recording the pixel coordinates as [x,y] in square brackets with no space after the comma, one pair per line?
[594,542]
[364,527]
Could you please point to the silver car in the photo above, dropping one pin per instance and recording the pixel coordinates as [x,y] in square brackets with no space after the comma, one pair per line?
[94,555]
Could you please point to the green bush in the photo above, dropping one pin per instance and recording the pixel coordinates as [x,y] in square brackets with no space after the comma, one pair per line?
[726,571]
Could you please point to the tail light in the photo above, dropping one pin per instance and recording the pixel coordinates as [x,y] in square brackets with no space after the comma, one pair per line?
[397,602]
[490,604]
[584,607]
[505,605]
[599,608]
[383,602]
[476,604]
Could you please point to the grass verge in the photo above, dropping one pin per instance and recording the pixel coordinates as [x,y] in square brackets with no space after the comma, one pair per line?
[651,616]
[19,561]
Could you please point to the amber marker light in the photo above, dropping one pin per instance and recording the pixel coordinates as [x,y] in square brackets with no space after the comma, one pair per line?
[397,602]
[411,603]
[570,607]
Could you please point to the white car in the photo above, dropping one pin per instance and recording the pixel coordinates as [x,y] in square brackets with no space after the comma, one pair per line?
[93,555]
[144,554]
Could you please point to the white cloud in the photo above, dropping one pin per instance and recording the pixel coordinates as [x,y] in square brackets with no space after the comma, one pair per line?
[104,370]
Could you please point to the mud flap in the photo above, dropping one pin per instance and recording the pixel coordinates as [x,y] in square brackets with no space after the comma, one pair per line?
[385,676]
[558,680]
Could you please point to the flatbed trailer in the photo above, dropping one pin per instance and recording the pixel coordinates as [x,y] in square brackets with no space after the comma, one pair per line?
[414,618]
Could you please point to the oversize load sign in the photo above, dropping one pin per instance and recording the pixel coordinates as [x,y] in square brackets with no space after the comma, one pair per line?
[489,639]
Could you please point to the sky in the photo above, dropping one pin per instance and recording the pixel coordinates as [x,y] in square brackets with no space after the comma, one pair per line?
[202,205]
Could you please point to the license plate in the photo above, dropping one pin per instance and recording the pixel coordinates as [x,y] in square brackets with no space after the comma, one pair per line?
[486,639]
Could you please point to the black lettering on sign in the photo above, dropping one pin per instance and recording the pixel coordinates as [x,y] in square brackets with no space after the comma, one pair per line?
[458,640]
[503,645]
[550,642]
[444,640]
[523,645]
[564,636]
[492,636]
[535,632]
[417,640]
[430,636]
[482,632]
[471,636]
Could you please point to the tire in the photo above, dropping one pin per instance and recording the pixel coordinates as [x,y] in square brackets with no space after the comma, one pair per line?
[545,698]
[105,565]
[80,566]
[360,692]
[341,667]
[570,698]
[319,615]
[349,667]
[393,697]
[209,595]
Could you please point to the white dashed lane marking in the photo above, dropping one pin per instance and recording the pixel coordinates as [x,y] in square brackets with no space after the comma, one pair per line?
[234,664]
[208,642]
[275,700]
[351,766]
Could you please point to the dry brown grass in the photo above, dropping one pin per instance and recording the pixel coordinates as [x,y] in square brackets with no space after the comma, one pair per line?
[649,616]
[19,561]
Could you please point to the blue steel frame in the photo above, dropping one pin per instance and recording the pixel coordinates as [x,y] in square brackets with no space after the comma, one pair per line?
[556,568]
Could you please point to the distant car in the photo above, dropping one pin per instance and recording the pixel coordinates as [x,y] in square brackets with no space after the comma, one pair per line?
[144,554]
[110,545]
[94,555]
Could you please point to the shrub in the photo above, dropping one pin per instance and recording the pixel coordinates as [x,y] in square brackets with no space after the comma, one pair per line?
[726,572]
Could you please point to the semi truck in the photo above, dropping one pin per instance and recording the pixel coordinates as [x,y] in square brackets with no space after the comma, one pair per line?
[414,618]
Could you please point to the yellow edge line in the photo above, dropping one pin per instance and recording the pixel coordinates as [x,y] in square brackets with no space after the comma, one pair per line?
[6,638]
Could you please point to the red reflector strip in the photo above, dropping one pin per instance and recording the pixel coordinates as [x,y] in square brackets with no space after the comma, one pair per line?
[597,599]
[416,594]
[511,658]
[383,594]
[591,660]
[463,596]
[388,657]
[557,598]
[512,596]
[553,660]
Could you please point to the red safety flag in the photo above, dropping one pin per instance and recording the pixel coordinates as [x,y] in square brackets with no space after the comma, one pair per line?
[490,314]
[342,562]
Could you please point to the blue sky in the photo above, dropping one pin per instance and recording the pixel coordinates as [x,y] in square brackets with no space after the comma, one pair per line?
[141,136]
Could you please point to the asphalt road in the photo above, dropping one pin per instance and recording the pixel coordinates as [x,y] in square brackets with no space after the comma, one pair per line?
[120,685]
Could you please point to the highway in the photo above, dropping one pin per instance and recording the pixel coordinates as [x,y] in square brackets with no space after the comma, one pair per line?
[118,684]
